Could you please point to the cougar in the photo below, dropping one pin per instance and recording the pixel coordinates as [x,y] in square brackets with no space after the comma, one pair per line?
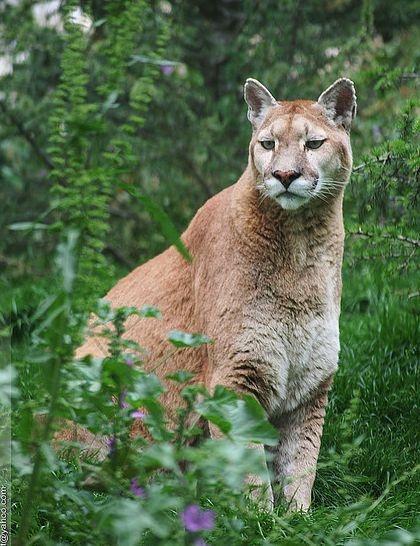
[264,281]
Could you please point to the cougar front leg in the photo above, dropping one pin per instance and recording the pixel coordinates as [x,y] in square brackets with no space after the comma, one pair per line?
[261,490]
[295,456]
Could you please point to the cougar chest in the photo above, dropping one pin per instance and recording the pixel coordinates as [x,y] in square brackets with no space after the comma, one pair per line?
[292,338]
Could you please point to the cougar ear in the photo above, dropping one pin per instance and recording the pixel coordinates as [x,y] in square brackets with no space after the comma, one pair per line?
[259,101]
[339,101]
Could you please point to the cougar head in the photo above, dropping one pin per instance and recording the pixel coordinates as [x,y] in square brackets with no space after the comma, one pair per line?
[301,149]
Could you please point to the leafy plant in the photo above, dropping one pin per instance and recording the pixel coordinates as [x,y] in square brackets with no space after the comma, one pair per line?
[149,486]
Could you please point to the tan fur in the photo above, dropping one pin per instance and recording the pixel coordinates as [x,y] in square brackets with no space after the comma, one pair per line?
[264,284]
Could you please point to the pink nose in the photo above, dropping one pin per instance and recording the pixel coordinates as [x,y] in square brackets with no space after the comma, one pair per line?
[286,177]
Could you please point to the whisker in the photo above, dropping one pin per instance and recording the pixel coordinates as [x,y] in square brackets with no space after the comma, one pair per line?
[329,191]
[264,195]
[332,181]
[331,186]
[320,196]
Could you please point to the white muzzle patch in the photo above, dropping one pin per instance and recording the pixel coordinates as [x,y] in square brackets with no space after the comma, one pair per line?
[298,193]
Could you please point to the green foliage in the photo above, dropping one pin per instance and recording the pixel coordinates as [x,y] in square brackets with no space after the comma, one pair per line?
[388,188]
[389,174]
[106,396]
[53,345]
[182,339]
[80,190]
[86,174]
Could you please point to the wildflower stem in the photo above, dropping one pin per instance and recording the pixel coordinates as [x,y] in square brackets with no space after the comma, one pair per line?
[45,436]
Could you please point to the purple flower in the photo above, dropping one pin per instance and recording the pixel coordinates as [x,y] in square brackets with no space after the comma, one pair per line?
[195,519]
[112,445]
[167,69]
[136,489]
[199,542]
[138,414]
[129,361]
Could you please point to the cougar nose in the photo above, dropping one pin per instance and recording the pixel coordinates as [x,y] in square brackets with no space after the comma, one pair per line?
[286,177]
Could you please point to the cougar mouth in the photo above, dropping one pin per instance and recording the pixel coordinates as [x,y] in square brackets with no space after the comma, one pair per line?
[295,195]
[290,201]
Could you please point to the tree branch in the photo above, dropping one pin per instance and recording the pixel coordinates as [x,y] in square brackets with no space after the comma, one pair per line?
[296,23]
[26,135]
[409,76]
[200,179]
[117,255]
[383,159]
[402,238]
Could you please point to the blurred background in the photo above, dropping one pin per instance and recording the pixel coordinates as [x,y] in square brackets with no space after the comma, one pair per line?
[194,138]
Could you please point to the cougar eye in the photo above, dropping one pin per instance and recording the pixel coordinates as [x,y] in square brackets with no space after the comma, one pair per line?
[267,144]
[314,144]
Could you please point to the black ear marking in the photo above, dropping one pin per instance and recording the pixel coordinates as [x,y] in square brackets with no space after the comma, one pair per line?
[259,101]
[339,102]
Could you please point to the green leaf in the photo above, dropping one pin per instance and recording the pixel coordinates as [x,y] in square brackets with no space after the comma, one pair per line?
[159,215]
[115,373]
[150,311]
[183,339]
[52,311]
[66,259]
[7,388]
[128,519]
[111,102]
[237,461]
[181,376]
[23,226]
[214,408]
[150,60]
[250,424]
[243,419]
[191,392]
[160,456]
[99,22]
[146,386]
